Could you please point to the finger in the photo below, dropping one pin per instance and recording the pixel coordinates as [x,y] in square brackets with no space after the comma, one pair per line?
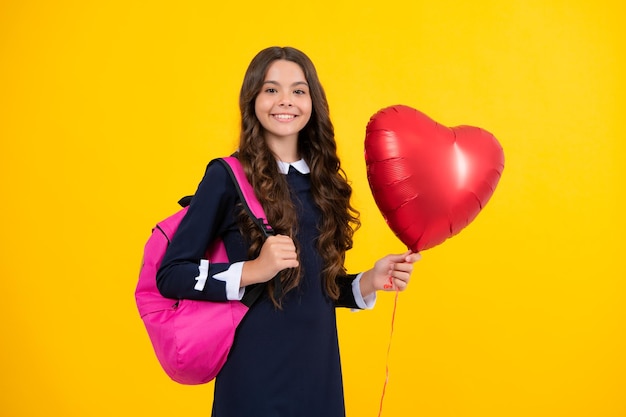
[389,284]
[398,257]
[288,254]
[413,257]
[403,267]
[282,243]
[287,259]
[291,263]
[400,276]
[400,285]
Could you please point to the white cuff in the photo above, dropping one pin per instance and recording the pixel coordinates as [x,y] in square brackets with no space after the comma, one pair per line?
[203,273]
[232,278]
[366,303]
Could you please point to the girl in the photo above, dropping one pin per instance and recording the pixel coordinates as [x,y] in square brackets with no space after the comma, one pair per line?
[285,357]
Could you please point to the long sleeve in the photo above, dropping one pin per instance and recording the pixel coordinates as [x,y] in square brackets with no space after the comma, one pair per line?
[185,273]
[350,293]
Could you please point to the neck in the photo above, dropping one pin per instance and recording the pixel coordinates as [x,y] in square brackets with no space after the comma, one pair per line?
[284,149]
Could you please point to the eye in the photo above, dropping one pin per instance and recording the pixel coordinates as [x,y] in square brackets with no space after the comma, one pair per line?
[271,90]
[299,92]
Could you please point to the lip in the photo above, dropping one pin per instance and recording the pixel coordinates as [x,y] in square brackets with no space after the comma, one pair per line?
[284,117]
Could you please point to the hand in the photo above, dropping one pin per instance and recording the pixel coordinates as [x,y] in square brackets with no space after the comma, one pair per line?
[391,273]
[277,253]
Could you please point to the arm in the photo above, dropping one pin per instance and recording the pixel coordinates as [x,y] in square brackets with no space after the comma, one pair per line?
[347,294]
[389,273]
[184,271]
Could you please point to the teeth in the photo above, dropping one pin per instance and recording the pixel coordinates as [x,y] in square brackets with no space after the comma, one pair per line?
[284,116]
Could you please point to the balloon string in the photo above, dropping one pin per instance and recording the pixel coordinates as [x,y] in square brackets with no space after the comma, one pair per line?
[393,319]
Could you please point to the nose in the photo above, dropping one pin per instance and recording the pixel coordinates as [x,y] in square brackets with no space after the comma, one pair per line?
[285,100]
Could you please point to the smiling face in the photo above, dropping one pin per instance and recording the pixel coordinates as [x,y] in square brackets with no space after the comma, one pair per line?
[283,106]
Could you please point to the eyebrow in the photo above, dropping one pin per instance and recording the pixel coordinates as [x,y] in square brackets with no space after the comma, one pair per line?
[292,85]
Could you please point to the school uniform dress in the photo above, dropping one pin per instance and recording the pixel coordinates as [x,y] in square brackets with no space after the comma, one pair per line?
[283,362]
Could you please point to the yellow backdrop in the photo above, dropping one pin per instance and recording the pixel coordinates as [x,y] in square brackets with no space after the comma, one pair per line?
[109,111]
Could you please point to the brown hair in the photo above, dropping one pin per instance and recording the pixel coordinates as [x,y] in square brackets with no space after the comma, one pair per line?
[317,146]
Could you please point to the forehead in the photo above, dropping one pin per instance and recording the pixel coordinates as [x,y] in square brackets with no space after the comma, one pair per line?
[285,71]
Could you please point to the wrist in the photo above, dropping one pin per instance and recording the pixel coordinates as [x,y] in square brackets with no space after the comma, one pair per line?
[367,284]
[253,272]
[247,274]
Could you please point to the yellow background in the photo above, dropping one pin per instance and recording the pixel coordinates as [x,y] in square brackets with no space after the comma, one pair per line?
[109,111]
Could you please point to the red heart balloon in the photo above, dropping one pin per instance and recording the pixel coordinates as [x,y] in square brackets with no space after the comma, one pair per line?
[429,181]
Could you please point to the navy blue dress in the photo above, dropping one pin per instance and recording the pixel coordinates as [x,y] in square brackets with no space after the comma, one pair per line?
[283,363]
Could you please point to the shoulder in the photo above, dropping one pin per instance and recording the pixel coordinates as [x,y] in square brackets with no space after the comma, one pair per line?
[216,183]
[218,175]
[215,169]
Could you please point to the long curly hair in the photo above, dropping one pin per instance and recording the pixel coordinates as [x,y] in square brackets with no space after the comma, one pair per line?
[316,145]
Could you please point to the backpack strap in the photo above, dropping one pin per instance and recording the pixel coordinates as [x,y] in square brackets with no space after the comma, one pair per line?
[246,194]
[255,210]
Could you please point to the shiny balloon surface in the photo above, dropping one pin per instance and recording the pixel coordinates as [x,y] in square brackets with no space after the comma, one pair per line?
[429,181]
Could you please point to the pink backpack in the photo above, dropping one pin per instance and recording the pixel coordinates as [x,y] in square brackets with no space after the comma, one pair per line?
[192,339]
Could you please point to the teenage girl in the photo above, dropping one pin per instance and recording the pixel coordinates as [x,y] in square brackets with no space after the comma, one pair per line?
[284,361]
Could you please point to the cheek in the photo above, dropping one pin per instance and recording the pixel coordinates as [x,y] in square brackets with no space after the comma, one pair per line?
[307,108]
[307,120]
[261,110]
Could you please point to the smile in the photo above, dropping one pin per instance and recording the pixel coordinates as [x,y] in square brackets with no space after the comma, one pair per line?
[284,116]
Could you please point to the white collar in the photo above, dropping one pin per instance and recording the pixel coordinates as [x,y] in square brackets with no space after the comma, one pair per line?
[301,166]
